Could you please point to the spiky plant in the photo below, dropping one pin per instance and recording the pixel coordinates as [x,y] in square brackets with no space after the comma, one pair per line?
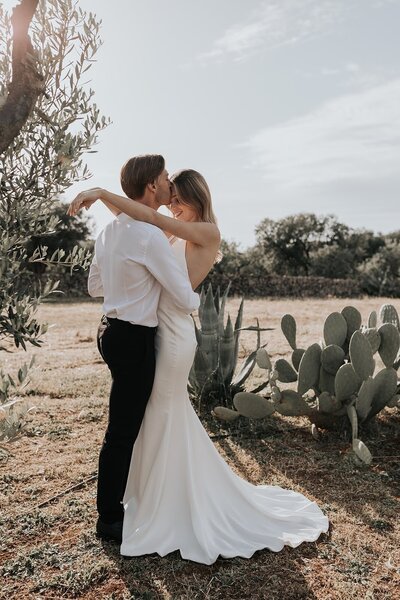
[214,377]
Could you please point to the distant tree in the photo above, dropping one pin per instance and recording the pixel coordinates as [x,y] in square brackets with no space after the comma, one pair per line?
[243,269]
[289,242]
[227,268]
[380,275]
[332,261]
[343,257]
[393,236]
[364,244]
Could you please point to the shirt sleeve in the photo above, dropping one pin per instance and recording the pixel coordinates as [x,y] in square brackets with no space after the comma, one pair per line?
[162,264]
[95,284]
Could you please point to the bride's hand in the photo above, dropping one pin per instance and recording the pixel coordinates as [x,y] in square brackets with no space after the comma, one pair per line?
[84,200]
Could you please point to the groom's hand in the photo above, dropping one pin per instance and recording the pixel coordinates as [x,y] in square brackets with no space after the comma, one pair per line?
[84,200]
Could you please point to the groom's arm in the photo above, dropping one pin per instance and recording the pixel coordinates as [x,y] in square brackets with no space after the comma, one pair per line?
[95,284]
[162,264]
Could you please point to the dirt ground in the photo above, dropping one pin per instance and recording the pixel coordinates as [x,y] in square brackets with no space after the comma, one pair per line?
[51,551]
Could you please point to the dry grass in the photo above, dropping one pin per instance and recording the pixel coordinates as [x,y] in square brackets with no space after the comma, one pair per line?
[51,552]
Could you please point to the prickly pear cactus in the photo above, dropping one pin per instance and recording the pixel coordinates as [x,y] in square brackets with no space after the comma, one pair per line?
[336,379]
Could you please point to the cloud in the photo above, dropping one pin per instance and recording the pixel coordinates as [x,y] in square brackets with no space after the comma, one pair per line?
[347,68]
[352,139]
[275,24]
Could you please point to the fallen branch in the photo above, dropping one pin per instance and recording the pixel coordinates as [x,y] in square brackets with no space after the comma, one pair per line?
[77,486]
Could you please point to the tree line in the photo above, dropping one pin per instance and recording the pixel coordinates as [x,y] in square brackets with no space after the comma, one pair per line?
[316,254]
[315,247]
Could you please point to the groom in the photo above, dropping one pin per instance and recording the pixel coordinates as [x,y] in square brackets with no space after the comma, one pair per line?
[132,262]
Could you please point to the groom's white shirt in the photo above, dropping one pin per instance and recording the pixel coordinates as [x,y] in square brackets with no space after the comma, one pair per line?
[131,263]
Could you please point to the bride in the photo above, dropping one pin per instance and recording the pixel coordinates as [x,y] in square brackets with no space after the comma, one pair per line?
[181,494]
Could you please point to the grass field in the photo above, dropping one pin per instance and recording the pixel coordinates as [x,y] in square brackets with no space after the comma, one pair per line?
[51,551]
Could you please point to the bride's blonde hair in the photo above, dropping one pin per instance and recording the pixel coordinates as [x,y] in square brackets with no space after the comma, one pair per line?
[192,190]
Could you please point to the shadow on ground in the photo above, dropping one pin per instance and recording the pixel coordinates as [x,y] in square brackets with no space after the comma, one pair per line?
[260,577]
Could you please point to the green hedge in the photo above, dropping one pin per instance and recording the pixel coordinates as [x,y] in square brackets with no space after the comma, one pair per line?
[251,286]
[275,286]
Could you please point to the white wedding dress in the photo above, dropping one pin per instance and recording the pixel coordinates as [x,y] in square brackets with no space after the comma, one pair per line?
[181,494]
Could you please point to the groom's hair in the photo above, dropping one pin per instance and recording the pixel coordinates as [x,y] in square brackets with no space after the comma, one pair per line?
[138,171]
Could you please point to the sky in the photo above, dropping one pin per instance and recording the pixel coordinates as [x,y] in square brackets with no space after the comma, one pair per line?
[285,106]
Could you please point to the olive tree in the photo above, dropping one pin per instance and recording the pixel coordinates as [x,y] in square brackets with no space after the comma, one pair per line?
[38,165]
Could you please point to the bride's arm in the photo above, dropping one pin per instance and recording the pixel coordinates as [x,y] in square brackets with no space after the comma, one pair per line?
[115,211]
[199,233]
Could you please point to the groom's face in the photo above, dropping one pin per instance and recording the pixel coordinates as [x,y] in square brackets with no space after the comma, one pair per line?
[163,189]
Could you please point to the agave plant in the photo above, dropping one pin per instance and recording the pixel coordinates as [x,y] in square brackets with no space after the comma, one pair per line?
[213,377]
[335,378]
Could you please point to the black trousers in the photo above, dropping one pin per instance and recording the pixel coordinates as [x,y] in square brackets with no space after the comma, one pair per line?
[129,353]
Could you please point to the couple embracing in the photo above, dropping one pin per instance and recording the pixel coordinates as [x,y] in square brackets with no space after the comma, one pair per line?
[162,485]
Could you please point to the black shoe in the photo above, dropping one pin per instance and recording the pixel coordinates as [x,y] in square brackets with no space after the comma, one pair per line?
[109,531]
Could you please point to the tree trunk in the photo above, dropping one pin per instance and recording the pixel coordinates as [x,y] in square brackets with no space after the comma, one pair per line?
[26,83]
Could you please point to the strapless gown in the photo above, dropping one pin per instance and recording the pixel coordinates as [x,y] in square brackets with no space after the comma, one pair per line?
[180,493]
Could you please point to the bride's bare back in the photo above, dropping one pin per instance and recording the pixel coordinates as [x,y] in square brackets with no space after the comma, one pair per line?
[200,260]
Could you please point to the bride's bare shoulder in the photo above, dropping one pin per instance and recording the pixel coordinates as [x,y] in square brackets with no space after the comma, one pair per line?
[212,232]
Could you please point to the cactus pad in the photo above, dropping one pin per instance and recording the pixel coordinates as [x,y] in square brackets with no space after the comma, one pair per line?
[263,360]
[297,355]
[309,369]
[390,343]
[385,386]
[253,406]
[388,314]
[292,404]
[332,358]
[286,372]
[288,326]
[374,338]
[327,403]
[361,355]
[373,319]
[276,394]
[353,319]
[347,382]
[362,451]
[225,414]
[364,398]
[326,382]
[352,414]
[335,329]
[394,401]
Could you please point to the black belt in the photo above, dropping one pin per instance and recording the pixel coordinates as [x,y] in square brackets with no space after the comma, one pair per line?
[121,323]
